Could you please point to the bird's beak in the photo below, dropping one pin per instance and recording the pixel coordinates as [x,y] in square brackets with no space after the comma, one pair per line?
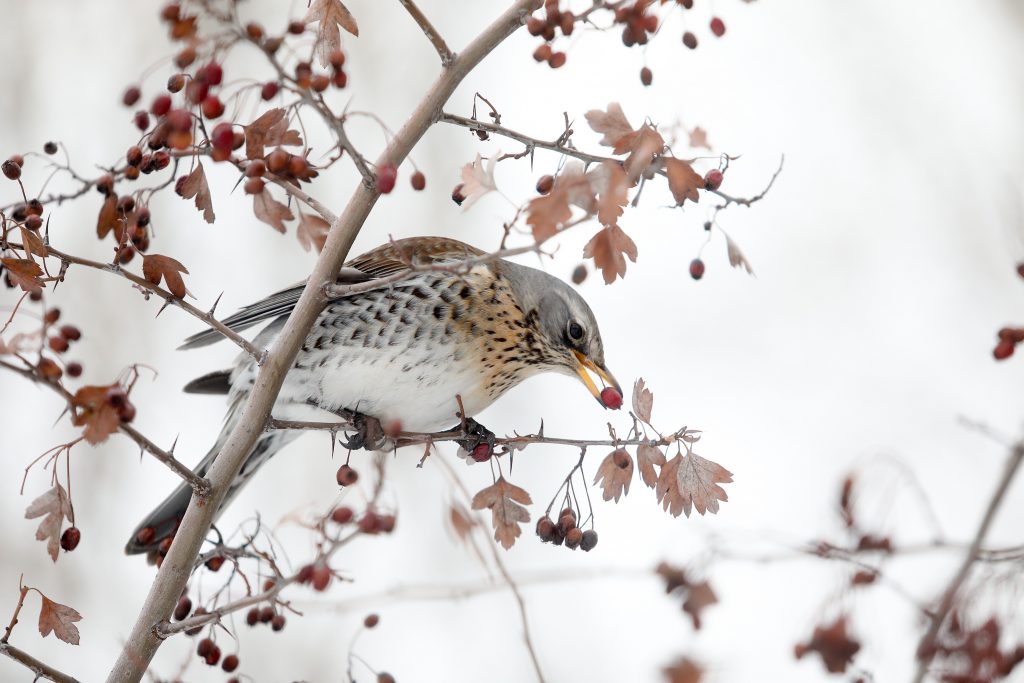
[587,364]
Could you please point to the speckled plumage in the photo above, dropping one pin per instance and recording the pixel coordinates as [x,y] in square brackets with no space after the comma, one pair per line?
[404,351]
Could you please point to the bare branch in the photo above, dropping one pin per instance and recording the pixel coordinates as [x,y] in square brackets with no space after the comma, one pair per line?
[37,667]
[430,32]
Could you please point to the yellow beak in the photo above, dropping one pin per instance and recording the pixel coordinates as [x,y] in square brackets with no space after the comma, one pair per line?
[587,364]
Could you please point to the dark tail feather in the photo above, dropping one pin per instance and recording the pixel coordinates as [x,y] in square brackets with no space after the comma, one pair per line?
[163,521]
[218,382]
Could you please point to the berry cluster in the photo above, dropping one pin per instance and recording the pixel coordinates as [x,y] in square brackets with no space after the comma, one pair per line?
[1009,337]
[265,615]
[565,531]
[638,24]
[554,20]
[973,654]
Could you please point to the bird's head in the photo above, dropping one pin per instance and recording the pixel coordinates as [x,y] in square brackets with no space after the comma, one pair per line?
[567,327]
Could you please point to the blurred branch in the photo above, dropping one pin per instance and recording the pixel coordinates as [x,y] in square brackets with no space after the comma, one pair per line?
[430,32]
[926,648]
[559,145]
[37,667]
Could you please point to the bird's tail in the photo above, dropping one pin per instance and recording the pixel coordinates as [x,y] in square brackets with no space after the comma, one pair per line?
[153,533]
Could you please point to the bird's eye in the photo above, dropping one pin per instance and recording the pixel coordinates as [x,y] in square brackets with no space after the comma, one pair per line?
[575,331]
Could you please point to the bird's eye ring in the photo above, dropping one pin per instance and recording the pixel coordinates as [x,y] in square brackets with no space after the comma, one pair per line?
[575,331]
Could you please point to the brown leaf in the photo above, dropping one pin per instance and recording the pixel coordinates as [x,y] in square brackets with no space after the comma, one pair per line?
[834,644]
[609,182]
[644,147]
[643,400]
[271,211]
[312,231]
[503,499]
[612,123]
[478,179]
[33,243]
[269,130]
[691,481]
[736,257]
[195,185]
[698,596]
[58,619]
[545,214]
[684,670]
[647,456]
[331,14]
[53,506]
[95,413]
[23,272]
[607,248]
[614,474]
[699,138]
[683,181]
[109,216]
[462,522]
[156,266]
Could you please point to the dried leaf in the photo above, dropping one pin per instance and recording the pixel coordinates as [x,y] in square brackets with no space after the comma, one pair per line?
[699,138]
[834,644]
[23,272]
[271,211]
[683,181]
[33,243]
[545,214]
[647,457]
[614,474]
[643,400]
[691,481]
[312,231]
[607,248]
[503,499]
[58,619]
[95,413]
[684,670]
[19,343]
[330,14]
[53,506]
[612,123]
[736,257]
[195,185]
[462,522]
[108,218]
[698,596]
[478,179]
[269,130]
[156,267]
[610,184]
[644,147]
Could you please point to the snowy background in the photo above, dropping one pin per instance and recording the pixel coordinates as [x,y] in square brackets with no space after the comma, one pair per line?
[885,263]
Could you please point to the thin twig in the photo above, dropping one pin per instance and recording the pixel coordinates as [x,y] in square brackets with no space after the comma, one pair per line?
[37,667]
[557,145]
[443,51]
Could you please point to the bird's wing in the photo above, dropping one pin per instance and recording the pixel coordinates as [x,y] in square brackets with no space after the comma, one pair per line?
[380,262]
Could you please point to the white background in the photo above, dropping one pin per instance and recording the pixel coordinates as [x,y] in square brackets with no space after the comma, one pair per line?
[885,263]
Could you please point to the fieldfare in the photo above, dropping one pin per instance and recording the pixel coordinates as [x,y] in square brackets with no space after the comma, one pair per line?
[457,325]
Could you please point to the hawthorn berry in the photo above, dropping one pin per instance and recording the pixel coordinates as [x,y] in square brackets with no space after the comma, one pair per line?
[296,28]
[305,574]
[171,12]
[131,96]
[200,611]
[133,156]
[696,269]
[385,677]
[369,523]
[621,458]
[141,120]
[267,614]
[204,647]
[542,53]
[51,316]
[573,538]
[342,514]
[142,217]
[386,177]
[566,520]
[718,27]
[535,26]
[215,563]
[254,185]
[1004,349]
[371,620]
[185,57]
[70,538]
[11,169]
[386,523]
[254,31]
[457,196]
[161,105]
[33,222]
[611,398]
[50,147]
[252,617]
[70,332]
[713,179]
[255,168]
[222,137]
[230,663]
[213,657]
[646,76]
[418,181]
[546,529]
[182,609]
[298,166]
[161,160]
[579,274]
[320,82]
[277,161]
[482,452]
[690,40]
[1020,269]
[49,370]
[346,475]
[74,369]
[557,60]
[58,344]
[589,540]
[269,90]
[545,183]
[212,107]
[212,73]
[321,577]
[339,79]
[175,82]
[277,623]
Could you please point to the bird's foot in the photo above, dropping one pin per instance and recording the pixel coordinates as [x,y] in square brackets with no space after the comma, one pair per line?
[368,433]
[476,439]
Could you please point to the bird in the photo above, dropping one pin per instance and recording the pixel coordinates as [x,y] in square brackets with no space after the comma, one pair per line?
[447,332]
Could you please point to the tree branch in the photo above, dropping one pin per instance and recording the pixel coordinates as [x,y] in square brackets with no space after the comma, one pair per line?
[430,32]
[173,575]
[926,648]
[40,669]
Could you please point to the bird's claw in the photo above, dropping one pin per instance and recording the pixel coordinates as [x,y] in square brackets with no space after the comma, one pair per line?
[368,434]
[475,434]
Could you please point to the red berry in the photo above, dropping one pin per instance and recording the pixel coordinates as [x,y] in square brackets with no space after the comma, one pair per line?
[277,623]
[269,90]
[74,369]
[713,179]
[718,27]
[573,538]
[296,28]
[70,332]
[369,523]
[1020,269]
[418,180]
[589,540]
[50,147]
[342,515]
[545,183]
[339,79]
[385,677]
[213,657]
[346,476]
[11,170]
[215,563]
[386,177]
[141,120]
[646,76]
[212,73]
[252,617]
[33,222]
[1004,349]
[131,96]
[482,452]
[49,370]
[58,344]
[696,269]
[254,185]
[386,523]
[204,647]
[611,398]
[161,105]
[457,195]
[371,620]
[690,40]
[212,107]
[542,53]
[534,26]
[546,529]
[621,458]
[230,663]
[182,609]
[557,60]
[267,614]
[321,577]
[223,136]
[70,538]
[175,82]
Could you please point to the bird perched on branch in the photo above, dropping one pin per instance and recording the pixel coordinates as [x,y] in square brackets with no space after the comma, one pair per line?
[444,322]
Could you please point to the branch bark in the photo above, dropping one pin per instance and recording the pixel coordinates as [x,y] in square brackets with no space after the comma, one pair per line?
[144,640]
[443,51]
[40,669]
